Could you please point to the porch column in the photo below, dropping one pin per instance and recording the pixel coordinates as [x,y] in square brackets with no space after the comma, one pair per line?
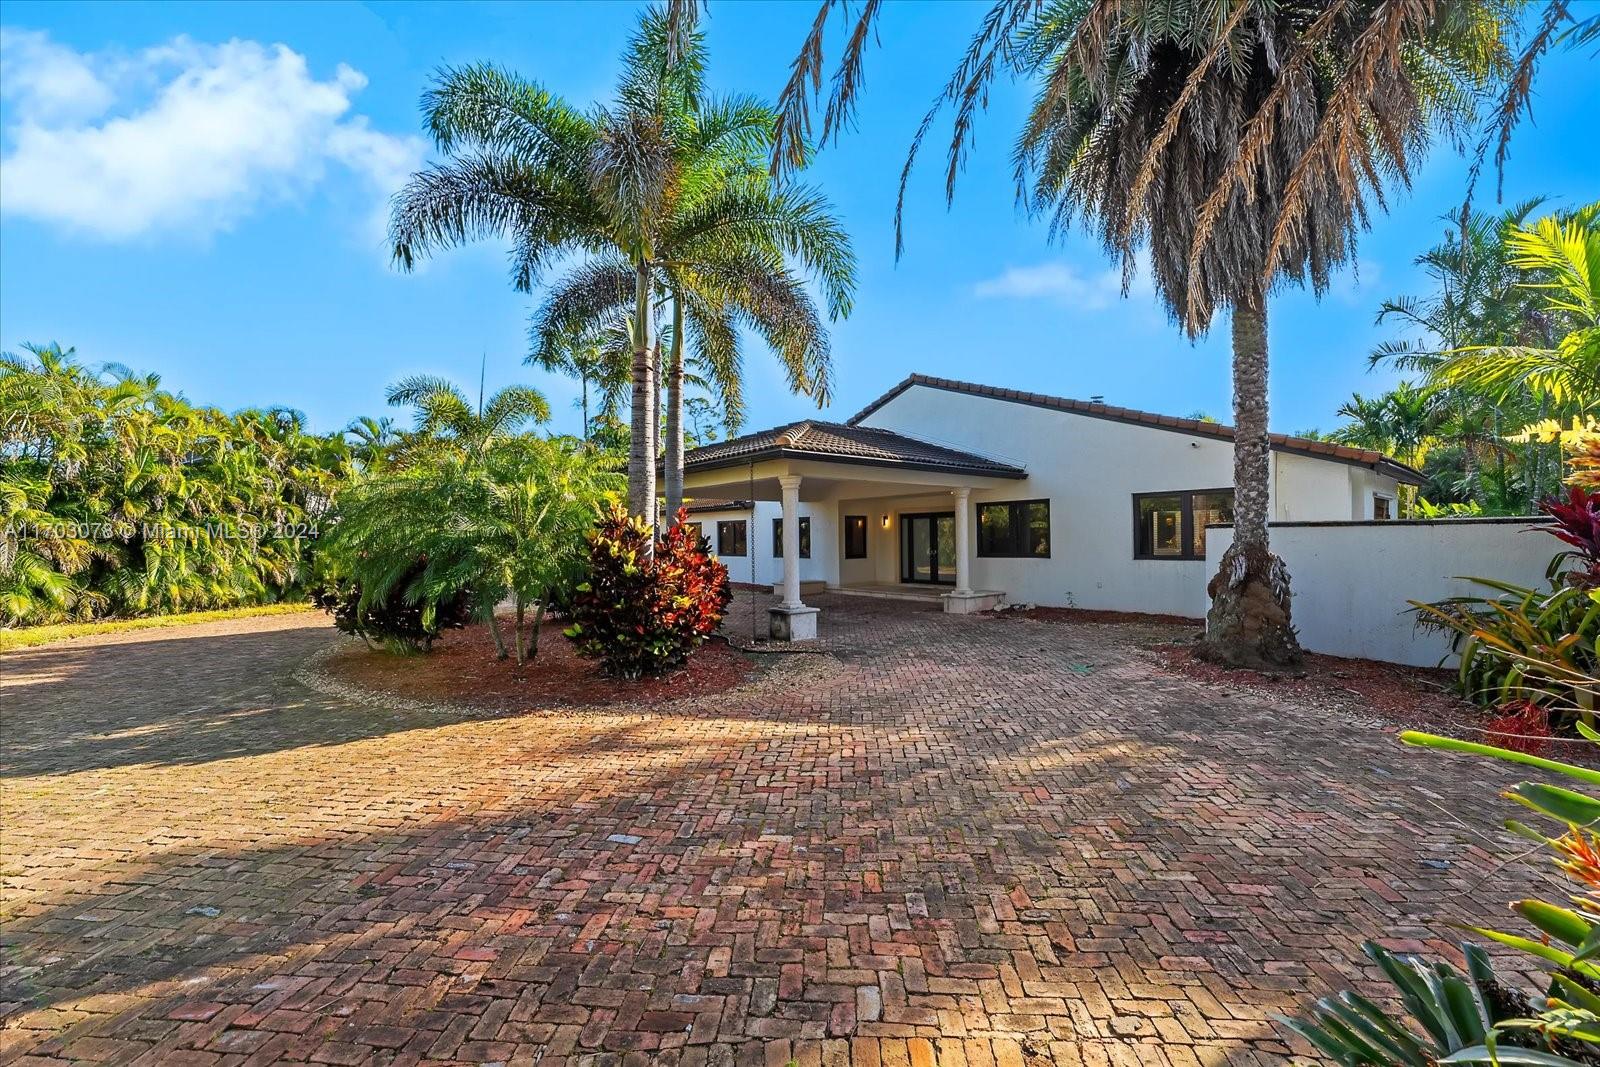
[791,541]
[963,541]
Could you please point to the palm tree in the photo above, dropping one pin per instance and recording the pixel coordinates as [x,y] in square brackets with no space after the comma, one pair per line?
[1243,144]
[607,183]
[371,439]
[444,414]
[1559,259]
[587,356]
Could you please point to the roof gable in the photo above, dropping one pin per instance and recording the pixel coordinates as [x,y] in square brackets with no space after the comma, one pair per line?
[1303,446]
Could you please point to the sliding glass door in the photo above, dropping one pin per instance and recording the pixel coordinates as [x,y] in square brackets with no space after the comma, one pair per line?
[928,548]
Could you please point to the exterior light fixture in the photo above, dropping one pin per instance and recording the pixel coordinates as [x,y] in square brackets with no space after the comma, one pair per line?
[886,522]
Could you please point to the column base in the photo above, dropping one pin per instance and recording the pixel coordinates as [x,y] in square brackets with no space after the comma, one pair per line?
[793,623]
[972,601]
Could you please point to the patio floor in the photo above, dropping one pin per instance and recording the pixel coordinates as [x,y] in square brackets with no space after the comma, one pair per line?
[939,840]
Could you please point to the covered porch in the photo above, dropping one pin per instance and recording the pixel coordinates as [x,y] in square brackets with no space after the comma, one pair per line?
[887,516]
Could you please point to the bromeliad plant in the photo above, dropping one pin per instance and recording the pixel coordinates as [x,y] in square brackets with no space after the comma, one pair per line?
[1538,647]
[643,608]
[1473,1016]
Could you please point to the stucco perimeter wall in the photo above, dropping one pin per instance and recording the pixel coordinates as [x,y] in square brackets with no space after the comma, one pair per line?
[1089,468]
[1352,580]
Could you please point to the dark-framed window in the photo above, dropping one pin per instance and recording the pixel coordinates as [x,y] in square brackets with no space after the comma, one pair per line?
[1382,507]
[805,537]
[1016,528]
[731,537]
[693,529]
[1173,525]
[855,537]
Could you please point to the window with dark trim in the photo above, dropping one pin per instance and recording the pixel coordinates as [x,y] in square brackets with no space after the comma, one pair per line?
[731,537]
[805,537]
[694,529]
[1382,508]
[1016,528]
[855,537]
[1173,525]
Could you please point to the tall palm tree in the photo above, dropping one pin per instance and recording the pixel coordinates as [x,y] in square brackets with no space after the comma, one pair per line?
[1243,143]
[526,165]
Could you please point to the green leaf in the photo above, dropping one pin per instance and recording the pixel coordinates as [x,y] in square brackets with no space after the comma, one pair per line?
[1519,1057]
[1563,924]
[1450,744]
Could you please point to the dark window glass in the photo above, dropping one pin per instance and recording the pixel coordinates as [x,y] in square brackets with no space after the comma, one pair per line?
[805,538]
[694,530]
[731,537]
[855,537]
[1016,528]
[1173,525]
[1381,508]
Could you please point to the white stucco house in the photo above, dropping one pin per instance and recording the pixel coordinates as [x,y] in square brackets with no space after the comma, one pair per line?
[978,495]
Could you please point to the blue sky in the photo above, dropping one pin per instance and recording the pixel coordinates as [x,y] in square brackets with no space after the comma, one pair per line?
[198,190]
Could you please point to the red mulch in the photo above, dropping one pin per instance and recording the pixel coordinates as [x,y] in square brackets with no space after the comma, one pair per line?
[462,670]
[1086,615]
[1416,698]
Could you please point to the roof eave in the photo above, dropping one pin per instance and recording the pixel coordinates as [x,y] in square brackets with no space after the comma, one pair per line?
[761,455]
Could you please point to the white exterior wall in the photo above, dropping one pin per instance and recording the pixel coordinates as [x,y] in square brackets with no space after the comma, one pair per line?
[1089,469]
[827,543]
[1352,581]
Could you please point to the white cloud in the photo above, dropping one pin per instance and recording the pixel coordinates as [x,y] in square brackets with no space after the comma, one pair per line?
[1060,283]
[185,137]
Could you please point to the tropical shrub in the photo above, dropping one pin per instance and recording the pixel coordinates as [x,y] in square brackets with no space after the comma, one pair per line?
[1522,649]
[119,498]
[642,608]
[501,519]
[694,588]
[392,624]
[1473,1016]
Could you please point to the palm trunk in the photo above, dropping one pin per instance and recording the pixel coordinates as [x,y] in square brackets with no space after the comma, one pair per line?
[516,636]
[500,651]
[533,637]
[674,420]
[642,446]
[585,409]
[1248,624]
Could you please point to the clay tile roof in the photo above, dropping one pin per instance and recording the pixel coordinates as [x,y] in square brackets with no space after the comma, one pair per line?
[1363,457]
[849,444]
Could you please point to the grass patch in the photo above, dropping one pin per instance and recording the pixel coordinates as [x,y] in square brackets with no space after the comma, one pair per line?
[10,640]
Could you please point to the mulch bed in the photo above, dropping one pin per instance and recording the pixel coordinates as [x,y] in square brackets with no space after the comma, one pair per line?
[1395,696]
[462,670]
[1086,615]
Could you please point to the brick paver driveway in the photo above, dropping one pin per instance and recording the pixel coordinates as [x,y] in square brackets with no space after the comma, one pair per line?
[949,840]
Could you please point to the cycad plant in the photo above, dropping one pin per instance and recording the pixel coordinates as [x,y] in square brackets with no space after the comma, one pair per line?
[659,169]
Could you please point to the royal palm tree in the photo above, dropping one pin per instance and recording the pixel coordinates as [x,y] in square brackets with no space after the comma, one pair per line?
[525,165]
[1240,145]
[588,356]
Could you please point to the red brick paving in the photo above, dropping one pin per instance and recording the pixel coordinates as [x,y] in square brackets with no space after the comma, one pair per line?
[948,841]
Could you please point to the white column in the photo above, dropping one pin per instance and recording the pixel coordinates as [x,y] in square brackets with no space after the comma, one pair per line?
[963,540]
[791,541]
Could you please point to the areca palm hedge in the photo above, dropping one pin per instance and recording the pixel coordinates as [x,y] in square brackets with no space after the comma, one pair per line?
[1240,146]
[118,498]
[659,192]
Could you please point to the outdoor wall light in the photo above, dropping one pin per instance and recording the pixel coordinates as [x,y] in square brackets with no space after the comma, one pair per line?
[886,522]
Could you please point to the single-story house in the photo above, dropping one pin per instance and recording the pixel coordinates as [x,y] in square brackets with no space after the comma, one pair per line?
[977,495]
